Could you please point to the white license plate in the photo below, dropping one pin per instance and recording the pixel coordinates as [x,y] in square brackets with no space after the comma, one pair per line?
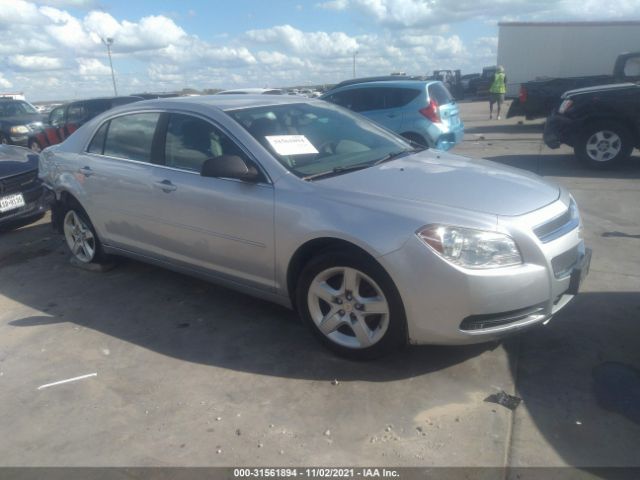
[11,202]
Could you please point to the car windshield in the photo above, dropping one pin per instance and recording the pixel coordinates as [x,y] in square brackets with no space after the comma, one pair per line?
[312,139]
[15,108]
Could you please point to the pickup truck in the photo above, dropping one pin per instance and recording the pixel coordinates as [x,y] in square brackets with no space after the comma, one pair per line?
[538,98]
[602,123]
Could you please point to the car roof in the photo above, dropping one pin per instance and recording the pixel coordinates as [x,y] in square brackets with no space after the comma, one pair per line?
[248,91]
[388,84]
[226,102]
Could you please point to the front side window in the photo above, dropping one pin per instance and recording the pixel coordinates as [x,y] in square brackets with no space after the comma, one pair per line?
[56,117]
[131,136]
[315,138]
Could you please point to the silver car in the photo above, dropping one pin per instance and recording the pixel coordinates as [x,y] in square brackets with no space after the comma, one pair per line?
[376,243]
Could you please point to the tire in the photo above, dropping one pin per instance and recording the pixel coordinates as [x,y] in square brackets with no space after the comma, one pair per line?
[3,140]
[604,144]
[80,236]
[335,291]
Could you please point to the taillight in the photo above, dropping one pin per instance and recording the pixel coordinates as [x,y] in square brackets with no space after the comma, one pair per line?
[523,94]
[431,112]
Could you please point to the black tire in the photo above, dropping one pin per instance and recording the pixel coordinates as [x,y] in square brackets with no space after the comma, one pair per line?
[98,256]
[395,336]
[601,135]
[3,140]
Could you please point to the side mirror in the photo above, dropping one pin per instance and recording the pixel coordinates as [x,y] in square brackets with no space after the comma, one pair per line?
[229,166]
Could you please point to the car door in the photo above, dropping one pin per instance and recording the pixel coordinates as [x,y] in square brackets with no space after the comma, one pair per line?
[220,225]
[117,177]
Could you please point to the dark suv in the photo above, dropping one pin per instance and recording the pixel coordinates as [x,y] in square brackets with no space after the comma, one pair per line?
[66,119]
[19,122]
[23,199]
[602,123]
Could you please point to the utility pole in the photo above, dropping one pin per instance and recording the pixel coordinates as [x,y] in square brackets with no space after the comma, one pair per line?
[354,63]
[108,42]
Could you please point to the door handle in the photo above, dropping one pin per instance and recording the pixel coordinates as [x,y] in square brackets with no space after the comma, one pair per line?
[86,171]
[392,115]
[166,186]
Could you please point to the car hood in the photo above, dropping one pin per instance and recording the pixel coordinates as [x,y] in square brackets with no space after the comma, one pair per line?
[441,178]
[16,160]
[601,88]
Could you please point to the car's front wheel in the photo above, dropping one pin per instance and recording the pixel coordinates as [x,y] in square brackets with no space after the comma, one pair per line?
[604,144]
[352,305]
[81,237]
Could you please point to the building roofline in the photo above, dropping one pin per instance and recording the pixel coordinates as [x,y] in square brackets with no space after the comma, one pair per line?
[621,23]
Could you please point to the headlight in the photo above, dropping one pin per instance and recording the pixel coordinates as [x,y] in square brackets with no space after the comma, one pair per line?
[20,129]
[565,105]
[471,248]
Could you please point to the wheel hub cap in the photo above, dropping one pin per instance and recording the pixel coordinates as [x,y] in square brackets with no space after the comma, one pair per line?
[348,307]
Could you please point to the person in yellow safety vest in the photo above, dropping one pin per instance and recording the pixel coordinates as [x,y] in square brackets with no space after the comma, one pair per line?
[497,90]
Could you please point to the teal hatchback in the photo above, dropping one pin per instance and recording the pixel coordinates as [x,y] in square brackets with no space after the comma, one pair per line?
[419,110]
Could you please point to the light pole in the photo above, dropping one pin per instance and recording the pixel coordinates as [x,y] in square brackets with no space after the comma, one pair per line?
[354,63]
[108,42]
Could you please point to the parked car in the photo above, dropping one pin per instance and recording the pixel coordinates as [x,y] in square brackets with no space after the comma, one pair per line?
[465,82]
[375,242]
[602,124]
[66,119]
[252,91]
[19,122]
[421,111]
[23,199]
[538,98]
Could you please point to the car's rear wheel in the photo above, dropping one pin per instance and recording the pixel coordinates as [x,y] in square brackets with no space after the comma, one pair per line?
[81,237]
[352,305]
[604,144]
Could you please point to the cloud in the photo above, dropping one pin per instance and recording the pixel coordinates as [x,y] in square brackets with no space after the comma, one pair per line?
[317,44]
[4,83]
[34,62]
[92,66]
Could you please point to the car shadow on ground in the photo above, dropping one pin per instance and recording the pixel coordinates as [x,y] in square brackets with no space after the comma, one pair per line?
[580,382]
[567,165]
[190,319]
[510,128]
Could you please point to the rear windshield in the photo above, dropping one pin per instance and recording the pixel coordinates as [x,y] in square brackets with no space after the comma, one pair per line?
[440,94]
[15,107]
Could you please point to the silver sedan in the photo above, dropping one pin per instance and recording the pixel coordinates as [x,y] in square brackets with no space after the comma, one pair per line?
[375,242]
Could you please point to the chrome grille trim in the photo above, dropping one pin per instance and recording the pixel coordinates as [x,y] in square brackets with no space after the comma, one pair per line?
[558,226]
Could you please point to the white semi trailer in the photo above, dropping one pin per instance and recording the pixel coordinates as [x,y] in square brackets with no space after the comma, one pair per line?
[539,50]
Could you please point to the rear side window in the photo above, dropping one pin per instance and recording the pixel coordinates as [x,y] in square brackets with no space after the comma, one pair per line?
[344,99]
[76,113]
[97,142]
[131,136]
[440,94]
[399,97]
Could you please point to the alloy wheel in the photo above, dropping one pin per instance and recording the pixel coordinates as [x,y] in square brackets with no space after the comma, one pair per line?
[79,237]
[603,146]
[348,307]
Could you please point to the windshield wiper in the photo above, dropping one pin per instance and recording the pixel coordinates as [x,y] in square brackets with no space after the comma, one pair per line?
[338,171]
[393,156]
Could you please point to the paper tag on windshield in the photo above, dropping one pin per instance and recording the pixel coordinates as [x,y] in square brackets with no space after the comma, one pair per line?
[291,144]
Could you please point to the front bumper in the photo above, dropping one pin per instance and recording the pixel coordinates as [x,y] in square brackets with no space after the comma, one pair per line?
[445,304]
[558,130]
[37,199]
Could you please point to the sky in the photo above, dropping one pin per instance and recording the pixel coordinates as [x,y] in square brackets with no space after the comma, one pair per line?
[53,49]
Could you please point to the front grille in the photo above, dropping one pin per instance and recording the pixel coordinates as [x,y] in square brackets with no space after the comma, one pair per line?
[564,263]
[493,320]
[558,226]
[18,183]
